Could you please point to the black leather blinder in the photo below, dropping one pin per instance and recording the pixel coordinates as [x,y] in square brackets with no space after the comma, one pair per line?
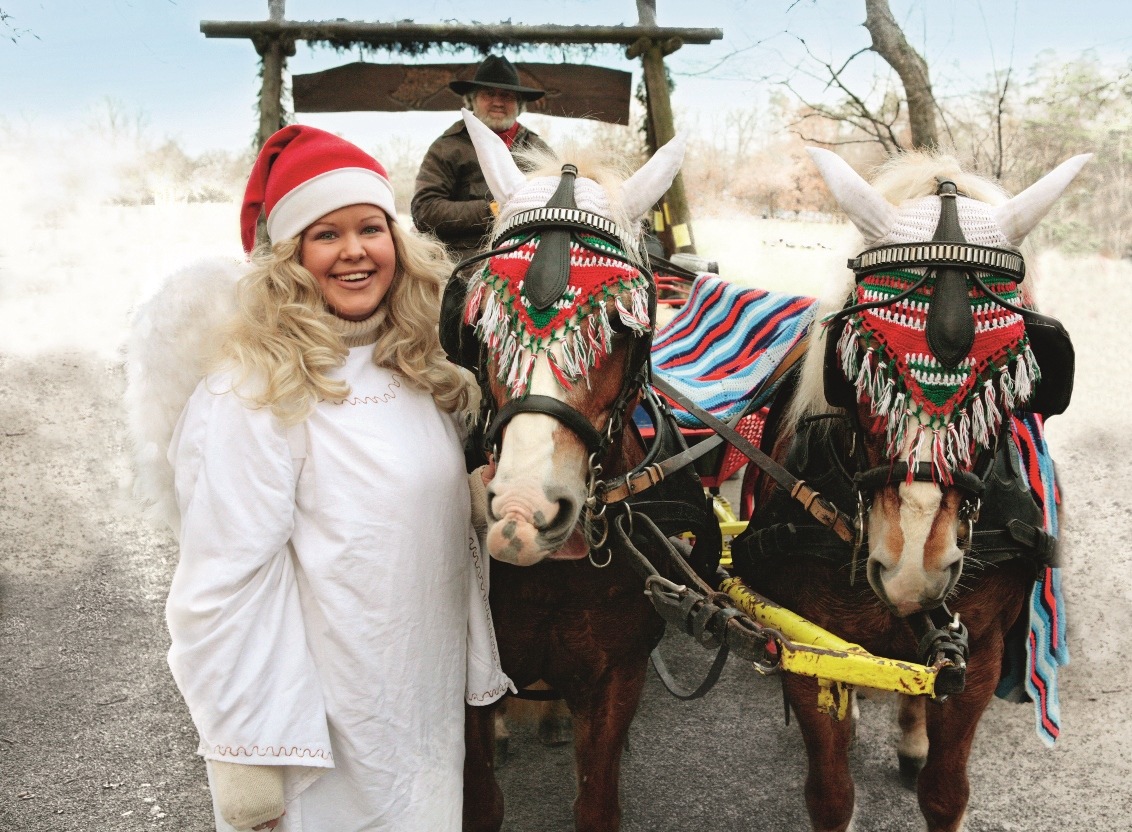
[549,272]
[457,339]
[951,321]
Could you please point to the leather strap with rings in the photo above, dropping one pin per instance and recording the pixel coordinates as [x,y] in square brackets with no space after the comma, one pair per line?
[818,506]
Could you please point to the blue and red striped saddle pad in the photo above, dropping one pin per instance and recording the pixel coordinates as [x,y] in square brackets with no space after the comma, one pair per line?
[724,343]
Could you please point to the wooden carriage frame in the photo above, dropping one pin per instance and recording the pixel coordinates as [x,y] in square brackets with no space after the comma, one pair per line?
[275,39]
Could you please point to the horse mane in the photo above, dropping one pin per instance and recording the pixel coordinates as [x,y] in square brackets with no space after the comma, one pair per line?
[903,177]
[916,174]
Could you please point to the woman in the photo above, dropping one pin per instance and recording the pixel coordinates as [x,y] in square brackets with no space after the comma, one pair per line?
[329,612]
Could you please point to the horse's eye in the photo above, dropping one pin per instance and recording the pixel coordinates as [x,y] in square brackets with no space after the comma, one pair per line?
[616,324]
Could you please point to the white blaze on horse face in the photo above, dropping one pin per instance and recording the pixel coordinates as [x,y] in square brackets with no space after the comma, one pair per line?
[913,549]
[536,494]
[914,554]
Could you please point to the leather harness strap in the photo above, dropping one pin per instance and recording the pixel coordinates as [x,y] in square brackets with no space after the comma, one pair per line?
[818,506]
[548,406]
[637,481]
[995,545]
[897,472]
[695,609]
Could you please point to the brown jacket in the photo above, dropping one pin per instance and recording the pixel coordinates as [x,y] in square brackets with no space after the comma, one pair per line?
[451,198]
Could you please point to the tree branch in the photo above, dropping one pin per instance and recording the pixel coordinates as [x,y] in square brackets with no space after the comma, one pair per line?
[889,42]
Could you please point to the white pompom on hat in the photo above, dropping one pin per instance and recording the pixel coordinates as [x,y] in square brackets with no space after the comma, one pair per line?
[303,173]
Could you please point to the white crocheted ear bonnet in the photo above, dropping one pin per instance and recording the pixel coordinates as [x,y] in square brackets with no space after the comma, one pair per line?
[916,221]
[535,193]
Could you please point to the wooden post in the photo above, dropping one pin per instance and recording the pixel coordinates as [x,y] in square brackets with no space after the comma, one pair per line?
[273,51]
[673,221]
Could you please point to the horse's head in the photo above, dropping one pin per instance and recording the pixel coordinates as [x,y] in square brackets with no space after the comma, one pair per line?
[930,353]
[563,306]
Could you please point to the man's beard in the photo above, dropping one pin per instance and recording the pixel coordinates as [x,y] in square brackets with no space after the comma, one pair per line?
[496,123]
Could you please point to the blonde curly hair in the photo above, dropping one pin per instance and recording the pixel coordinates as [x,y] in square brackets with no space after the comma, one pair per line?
[284,336]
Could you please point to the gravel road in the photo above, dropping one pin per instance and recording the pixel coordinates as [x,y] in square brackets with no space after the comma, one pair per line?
[94,736]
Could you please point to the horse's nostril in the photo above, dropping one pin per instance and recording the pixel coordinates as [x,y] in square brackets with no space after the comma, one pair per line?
[875,571]
[563,520]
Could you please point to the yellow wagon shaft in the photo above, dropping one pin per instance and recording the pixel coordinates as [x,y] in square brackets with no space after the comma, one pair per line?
[809,650]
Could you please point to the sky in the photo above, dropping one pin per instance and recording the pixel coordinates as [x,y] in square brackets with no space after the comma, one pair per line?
[63,60]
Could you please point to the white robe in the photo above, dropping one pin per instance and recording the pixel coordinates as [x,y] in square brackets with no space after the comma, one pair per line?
[329,611]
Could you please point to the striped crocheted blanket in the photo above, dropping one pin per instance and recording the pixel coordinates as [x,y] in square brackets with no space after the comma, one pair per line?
[1035,653]
[725,342]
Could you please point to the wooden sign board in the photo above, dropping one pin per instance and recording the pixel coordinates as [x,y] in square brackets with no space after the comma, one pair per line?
[571,90]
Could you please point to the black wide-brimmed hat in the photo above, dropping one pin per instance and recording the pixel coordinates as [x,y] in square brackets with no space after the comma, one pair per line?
[496,72]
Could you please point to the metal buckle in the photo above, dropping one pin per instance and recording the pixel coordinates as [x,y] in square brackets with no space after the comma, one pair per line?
[968,516]
[862,510]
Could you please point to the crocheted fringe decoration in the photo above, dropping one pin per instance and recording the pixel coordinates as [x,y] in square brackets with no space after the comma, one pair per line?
[575,333]
[953,413]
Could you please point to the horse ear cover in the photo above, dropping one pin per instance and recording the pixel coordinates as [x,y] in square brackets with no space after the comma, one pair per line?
[502,175]
[1018,216]
[643,189]
[866,208]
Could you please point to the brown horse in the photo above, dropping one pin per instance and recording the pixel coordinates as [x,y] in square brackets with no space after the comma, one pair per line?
[900,416]
[563,309]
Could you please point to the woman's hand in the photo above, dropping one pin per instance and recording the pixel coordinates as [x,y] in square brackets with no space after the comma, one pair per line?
[248,796]
[477,488]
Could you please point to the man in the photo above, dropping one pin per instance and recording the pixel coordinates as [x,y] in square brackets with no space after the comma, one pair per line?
[451,199]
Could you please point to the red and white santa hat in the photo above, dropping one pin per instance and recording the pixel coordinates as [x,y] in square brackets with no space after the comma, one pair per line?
[303,173]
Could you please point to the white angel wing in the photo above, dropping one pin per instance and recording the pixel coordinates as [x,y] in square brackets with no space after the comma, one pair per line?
[164,355]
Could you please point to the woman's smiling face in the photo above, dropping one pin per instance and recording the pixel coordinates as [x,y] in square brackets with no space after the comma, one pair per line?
[350,252]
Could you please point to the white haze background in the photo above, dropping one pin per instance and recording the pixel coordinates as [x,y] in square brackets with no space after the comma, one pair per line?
[75,262]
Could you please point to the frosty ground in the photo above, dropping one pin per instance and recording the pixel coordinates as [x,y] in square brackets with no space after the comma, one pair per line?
[93,735]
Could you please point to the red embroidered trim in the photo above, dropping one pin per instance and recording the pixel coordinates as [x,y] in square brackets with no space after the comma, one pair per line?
[270,751]
[382,399]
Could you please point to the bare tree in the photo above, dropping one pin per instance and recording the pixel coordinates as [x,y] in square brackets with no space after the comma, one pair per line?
[889,42]
[883,114]
[10,31]
[870,122]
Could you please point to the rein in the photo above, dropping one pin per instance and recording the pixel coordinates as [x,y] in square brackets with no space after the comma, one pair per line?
[821,509]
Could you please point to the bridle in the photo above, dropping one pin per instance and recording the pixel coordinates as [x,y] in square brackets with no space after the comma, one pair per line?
[558,225]
[850,480]
[950,332]
[867,481]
